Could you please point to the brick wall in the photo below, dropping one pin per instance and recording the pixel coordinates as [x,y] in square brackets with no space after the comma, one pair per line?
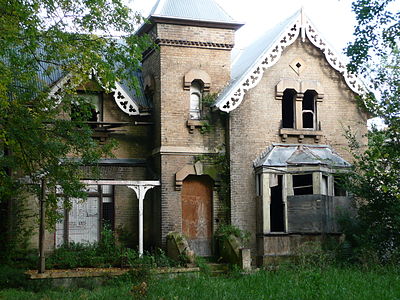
[175,146]
[255,124]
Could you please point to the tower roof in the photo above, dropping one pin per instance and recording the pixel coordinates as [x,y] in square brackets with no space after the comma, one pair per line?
[191,12]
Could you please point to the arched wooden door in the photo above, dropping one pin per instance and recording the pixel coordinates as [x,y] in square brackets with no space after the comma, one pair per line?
[197,213]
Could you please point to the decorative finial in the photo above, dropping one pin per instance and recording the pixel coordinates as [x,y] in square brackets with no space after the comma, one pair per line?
[303,24]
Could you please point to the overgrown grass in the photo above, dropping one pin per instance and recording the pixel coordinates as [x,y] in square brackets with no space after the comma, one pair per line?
[282,283]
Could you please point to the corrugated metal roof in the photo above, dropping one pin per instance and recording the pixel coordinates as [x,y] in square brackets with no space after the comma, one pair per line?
[251,55]
[138,96]
[282,155]
[49,75]
[198,10]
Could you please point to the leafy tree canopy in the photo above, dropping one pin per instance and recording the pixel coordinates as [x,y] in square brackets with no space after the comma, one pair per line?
[375,181]
[39,41]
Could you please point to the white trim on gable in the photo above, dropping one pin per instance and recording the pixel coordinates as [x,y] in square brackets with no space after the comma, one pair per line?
[124,102]
[121,98]
[233,96]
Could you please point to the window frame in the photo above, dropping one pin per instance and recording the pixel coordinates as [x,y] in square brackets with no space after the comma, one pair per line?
[100,195]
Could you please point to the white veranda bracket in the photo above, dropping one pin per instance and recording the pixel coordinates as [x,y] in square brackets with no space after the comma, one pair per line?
[141,190]
[124,102]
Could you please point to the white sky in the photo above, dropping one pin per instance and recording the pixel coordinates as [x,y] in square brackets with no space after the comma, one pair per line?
[333,18]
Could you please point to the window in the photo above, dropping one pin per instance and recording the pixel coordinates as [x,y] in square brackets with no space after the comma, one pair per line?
[309,110]
[95,100]
[288,109]
[84,221]
[338,186]
[195,100]
[302,184]
[324,185]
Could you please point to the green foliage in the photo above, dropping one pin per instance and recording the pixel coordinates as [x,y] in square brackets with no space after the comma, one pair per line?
[281,283]
[41,40]
[220,166]
[10,277]
[209,99]
[225,230]
[201,262]
[106,253]
[375,231]
[313,254]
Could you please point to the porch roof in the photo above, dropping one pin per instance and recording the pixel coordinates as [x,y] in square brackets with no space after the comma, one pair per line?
[283,155]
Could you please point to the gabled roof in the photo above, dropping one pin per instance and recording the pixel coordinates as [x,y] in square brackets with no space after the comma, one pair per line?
[128,99]
[189,12]
[284,155]
[248,68]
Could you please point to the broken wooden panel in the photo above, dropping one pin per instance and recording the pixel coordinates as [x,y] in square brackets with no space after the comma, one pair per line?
[197,213]
[304,213]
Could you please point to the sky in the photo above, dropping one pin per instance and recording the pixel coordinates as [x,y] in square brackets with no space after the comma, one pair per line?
[333,18]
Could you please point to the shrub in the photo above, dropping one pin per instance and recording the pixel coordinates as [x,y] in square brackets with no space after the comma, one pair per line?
[224,231]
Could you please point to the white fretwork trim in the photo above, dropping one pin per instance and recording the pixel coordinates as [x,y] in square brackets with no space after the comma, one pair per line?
[253,77]
[333,59]
[121,98]
[124,102]
[291,33]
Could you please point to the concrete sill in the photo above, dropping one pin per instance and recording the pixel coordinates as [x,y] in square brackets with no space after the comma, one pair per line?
[192,124]
[300,134]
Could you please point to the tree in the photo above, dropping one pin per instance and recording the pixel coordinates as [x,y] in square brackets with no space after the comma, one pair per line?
[41,40]
[375,181]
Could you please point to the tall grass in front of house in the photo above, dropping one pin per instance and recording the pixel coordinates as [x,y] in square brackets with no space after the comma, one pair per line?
[284,282]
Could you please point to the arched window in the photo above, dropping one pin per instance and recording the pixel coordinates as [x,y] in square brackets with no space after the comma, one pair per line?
[309,110]
[195,100]
[288,108]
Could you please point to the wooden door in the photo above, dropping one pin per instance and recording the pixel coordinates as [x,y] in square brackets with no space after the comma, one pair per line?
[197,213]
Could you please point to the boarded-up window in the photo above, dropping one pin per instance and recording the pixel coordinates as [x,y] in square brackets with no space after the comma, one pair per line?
[304,213]
[84,221]
[195,100]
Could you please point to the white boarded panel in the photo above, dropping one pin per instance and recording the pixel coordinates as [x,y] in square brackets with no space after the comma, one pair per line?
[83,222]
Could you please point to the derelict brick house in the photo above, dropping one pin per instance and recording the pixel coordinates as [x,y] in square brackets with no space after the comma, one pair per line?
[280,112]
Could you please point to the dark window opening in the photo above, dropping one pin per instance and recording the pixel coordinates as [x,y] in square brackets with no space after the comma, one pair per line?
[309,110]
[288,110]
[258,185]
[277,208]
[107,206]
[303,184]
[93,112]
[338,186]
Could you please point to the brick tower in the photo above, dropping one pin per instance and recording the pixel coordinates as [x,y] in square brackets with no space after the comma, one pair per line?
[193,58]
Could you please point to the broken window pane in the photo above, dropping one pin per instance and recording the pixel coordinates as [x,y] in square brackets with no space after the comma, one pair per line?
[309,110]
[303,184]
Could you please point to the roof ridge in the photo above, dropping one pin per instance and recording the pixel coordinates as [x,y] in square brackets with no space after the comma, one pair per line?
[251,69]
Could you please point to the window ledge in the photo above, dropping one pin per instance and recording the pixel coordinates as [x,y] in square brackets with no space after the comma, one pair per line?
[195,123]
[300,133]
